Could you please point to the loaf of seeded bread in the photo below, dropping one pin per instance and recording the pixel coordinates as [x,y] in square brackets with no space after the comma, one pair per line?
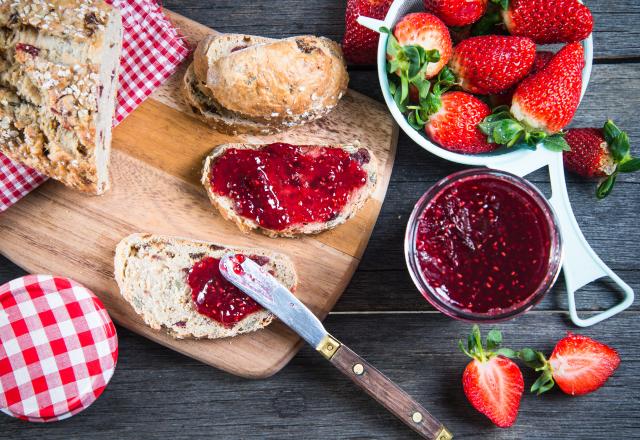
[151,272]
[225,205]
[59,64]
[248,84]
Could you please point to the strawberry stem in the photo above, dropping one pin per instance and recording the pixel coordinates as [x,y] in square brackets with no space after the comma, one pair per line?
[620,148]
[476,350]
[538,362]
[406,68]
[501,127]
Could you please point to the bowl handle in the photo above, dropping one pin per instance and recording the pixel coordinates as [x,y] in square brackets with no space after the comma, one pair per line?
[371,23]
[581,264]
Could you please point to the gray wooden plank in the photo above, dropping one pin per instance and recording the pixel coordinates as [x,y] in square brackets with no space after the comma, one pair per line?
[616,34]
[393,290]
[159,394]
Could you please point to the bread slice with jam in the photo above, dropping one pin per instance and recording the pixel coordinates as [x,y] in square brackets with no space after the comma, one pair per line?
[174,284]
[287,190]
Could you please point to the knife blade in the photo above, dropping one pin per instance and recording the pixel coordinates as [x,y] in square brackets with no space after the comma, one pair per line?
[267,291]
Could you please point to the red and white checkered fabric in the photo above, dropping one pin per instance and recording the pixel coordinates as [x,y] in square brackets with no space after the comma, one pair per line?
[58,348]
[152,49]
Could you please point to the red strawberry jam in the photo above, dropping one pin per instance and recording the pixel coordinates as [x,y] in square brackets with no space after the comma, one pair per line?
[483,244]
[281,185]
[217,298]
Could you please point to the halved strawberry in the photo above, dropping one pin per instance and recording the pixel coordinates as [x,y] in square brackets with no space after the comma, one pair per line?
[457,13]
[492,64]
[600,153]
[360,44]
[428,32]
[578,364]
[542,104]
[492,383]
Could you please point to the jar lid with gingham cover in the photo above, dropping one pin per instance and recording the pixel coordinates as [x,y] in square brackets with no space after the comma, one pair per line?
[58,348]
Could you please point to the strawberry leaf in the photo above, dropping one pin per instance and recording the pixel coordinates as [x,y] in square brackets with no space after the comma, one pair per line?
[555,142]
[620,147]
[504,4]
[476,350]
[605,188]
[506,352]
[506,131]
[486,24]
[610,131]
[544,383]
[494,339]
[629,166]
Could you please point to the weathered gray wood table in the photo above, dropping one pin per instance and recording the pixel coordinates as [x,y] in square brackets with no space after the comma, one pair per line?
[157,393]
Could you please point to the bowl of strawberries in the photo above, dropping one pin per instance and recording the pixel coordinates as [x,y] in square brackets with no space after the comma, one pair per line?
[484,82]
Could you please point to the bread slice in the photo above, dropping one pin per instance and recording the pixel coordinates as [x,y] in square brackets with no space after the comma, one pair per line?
[151,272]
[225,205]
[59,65]
[214,47]
[203,106]
[247,84]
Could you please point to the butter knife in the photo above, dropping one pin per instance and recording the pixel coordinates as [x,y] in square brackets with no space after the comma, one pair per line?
[266,290]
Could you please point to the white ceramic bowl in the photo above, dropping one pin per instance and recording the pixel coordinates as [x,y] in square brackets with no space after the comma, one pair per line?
[399,9]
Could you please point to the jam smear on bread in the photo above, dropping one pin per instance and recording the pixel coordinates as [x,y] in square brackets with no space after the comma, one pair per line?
[280,185]
[215,297]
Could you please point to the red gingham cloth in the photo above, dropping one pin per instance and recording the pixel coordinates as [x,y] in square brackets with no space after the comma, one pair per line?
[58,348]
[152,49]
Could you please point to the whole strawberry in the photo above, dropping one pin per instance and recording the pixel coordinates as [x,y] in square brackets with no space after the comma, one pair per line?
[504,98]
[578,364]
[492,64]
[542,104]
[428,32]
[547,21]
[457,13]
[542,59]
[454,126]
[360,44]
[492,383]
[600,153]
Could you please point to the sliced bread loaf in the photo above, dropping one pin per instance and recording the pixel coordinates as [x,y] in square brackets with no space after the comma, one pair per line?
[247,84]
[226,205]
[224,122]
[58,78]
[214,47]
[152,274]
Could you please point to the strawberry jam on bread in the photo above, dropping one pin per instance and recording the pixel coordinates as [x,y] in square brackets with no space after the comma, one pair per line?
[286,190]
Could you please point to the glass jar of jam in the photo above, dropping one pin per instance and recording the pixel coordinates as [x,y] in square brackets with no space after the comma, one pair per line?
[483,245]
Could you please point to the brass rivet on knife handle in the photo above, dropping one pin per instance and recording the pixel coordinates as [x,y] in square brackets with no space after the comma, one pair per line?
[328,346]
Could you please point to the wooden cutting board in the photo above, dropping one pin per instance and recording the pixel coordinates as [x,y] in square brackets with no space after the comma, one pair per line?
[156,163]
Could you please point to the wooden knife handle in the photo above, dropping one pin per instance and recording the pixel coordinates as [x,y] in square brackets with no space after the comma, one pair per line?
[387,393]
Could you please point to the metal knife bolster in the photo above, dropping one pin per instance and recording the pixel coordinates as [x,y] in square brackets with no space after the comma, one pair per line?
[267,291]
